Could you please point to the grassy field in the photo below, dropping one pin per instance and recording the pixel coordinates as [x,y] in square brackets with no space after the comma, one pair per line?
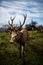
[9,53]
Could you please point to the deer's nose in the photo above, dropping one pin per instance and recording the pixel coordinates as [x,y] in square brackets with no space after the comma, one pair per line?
[11,41]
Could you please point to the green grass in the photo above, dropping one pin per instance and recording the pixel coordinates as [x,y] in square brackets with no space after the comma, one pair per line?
[9,53]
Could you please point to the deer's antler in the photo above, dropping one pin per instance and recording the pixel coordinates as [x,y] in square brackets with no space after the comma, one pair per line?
[12,19]
[25,16]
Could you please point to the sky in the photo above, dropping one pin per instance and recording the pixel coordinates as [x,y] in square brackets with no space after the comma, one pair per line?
[16,8]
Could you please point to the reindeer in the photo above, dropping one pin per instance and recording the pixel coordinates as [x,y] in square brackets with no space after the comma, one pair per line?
[19,35]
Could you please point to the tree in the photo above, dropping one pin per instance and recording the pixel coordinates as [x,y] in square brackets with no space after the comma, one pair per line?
[33,23]
[40,28]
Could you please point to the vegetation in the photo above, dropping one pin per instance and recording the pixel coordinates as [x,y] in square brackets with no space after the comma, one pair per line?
[9,53]
[34,27]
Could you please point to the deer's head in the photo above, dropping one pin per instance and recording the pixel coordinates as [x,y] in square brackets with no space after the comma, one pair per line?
[16,34]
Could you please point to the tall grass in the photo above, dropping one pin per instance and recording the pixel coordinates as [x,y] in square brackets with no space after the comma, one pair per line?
[9,53]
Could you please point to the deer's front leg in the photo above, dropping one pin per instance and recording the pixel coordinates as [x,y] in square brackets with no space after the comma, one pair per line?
[20,50]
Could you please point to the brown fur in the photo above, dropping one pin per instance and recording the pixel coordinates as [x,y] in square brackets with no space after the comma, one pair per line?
[25,34]
[18,34]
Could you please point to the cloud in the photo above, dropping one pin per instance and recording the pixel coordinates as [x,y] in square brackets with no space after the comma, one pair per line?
[17,8]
